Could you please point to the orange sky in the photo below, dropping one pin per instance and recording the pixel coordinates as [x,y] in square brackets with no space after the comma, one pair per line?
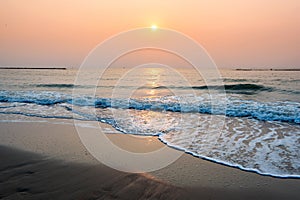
[256,33]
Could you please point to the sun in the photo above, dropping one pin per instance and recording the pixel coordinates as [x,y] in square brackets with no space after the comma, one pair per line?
[153,27]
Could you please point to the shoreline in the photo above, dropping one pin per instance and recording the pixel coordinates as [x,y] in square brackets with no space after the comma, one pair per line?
[201,178]
[229,164]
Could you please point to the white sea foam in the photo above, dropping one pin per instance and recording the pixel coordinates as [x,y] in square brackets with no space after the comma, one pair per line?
[270,148]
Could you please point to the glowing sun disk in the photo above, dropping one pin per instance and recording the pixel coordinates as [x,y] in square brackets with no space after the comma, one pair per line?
[153,27]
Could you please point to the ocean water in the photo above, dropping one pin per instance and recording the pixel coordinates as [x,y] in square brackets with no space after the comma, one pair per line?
[254,125]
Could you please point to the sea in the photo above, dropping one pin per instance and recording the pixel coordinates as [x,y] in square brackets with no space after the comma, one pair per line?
[251,121]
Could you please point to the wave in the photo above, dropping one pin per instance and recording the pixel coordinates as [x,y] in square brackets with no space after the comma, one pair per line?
[219,87]
[57,85]
[62,85]
[275,111]
[238,80]
[253,87]
[248,89]
[284,111]
[239,86]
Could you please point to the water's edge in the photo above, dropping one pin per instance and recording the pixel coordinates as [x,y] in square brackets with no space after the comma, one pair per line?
[158,136]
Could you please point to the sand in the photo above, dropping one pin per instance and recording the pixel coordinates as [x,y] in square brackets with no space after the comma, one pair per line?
[46,160]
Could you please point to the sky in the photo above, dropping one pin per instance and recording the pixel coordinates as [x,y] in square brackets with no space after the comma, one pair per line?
[236,33]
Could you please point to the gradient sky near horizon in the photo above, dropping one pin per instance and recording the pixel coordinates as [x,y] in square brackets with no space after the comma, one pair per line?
[235,33]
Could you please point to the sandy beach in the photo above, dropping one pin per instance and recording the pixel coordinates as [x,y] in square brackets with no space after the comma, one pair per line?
[46,160]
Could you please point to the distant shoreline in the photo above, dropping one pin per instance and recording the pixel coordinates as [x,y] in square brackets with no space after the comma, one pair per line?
[267,69]
[53,68]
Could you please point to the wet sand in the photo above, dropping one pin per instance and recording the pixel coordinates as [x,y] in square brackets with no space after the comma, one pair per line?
[48,161]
